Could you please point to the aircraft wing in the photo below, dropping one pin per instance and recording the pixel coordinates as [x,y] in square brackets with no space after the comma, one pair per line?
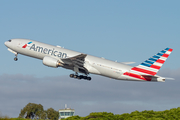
[77,62]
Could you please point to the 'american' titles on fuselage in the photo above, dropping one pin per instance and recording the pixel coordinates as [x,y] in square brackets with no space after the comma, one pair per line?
[48,51]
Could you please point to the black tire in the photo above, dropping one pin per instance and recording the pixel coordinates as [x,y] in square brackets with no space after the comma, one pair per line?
[71,75]
[15,59]
[75,76]
[89,78]
[79,77]
[85,77]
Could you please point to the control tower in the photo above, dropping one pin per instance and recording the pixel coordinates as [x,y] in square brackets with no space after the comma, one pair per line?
[65,113]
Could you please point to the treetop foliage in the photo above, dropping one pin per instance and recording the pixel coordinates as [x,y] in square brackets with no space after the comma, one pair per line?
[31,110]
[52,114]
[172,114]
[36,111]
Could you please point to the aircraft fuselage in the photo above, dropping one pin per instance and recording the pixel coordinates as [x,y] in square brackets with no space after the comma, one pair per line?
[64,57]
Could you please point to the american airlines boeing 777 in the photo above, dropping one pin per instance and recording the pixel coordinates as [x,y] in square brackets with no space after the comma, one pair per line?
[56,56]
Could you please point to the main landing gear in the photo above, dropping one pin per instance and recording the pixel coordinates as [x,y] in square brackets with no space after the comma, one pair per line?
[80,77]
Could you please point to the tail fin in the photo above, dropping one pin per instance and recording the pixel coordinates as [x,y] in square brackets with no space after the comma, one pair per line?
[151,66]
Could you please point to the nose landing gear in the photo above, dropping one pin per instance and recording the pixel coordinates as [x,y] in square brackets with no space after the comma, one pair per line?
[15,59]
[80,77]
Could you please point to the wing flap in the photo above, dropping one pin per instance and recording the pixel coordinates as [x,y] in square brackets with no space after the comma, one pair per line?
[79,58]
[77,62]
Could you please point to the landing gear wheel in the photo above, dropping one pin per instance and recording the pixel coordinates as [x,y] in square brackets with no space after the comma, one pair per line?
[89,78]
[15,59]
[71,75]
[85,77]
[75,76]
[79,77]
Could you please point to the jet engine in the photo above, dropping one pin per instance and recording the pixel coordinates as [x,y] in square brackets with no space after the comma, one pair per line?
[51,62]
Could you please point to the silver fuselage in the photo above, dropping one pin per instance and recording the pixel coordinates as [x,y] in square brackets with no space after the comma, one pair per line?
[94,65]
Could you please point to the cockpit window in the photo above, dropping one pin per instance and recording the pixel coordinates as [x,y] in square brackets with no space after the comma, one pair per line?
[9,40]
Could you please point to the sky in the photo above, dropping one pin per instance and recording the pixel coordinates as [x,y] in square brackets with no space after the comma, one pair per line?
[123,31]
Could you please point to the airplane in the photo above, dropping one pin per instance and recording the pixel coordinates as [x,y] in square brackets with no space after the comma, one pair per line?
[84,64]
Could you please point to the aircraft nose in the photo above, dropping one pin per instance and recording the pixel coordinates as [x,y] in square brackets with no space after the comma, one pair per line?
[6,43]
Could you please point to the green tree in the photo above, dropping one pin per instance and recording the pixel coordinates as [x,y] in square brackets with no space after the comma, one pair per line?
[31,111]
[100,116]
[52,114]
[172,114]
[43,115]
[74,118]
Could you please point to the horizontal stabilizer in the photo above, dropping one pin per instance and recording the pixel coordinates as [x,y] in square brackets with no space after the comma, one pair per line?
[128,62]
[167,78]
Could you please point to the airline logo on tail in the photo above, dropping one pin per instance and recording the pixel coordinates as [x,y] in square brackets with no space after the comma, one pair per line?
[150,67]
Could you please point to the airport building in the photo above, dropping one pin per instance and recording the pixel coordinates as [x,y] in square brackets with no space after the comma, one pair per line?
[66,112]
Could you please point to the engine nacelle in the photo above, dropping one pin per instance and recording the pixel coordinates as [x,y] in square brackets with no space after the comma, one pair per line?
[50,61]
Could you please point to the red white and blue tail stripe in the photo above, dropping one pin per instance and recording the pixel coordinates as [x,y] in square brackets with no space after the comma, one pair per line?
[153,64]
[150,67]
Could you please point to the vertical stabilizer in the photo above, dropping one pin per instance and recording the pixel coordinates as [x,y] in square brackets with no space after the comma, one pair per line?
[153,64]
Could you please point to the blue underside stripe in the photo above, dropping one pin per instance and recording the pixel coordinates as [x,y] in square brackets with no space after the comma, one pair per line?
[153,59]
[156,56]
[163,51]
[159,54]
[145,64]
[149,62]
[167,49]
